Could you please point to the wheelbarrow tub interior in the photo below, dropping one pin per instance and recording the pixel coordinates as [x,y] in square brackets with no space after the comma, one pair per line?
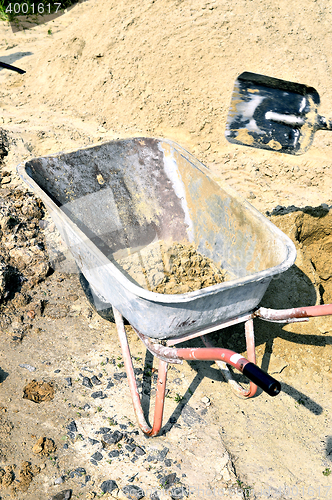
[119,198]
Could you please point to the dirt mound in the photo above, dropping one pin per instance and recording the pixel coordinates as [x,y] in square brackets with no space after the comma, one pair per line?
[18,481]
[311,230]
[44,446]
[23,258]
[38,391]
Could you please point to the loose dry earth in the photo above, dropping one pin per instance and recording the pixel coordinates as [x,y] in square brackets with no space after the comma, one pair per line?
[123,69]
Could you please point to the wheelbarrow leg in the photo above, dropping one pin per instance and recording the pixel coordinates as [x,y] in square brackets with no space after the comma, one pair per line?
[161,383]
[250,341]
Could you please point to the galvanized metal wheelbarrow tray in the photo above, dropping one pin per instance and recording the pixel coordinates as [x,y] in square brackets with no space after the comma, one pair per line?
[116,200]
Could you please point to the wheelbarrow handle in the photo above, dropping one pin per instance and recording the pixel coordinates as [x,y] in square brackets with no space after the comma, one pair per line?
[262,379]
[12,68]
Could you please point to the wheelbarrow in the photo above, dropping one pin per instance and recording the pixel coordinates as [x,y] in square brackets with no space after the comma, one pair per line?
[118,200]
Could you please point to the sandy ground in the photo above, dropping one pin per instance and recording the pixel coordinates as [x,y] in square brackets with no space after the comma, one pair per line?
[166,69]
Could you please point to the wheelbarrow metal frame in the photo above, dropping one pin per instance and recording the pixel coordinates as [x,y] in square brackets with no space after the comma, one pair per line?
[222,357]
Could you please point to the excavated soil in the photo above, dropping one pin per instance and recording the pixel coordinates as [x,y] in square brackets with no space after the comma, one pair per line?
[103,71]
[172,268]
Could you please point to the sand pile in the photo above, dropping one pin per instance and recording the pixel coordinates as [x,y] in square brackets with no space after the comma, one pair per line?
[172,268]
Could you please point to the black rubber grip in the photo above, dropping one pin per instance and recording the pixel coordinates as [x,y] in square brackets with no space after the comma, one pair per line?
[262,379]
[13,68]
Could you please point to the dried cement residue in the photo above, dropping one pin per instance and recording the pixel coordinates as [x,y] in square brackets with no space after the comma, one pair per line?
[172,268]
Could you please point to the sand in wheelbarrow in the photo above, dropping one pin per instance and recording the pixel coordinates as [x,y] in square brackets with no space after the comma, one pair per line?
[172,268]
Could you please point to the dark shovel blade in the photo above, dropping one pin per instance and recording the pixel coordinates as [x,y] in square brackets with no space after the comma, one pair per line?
[273,114]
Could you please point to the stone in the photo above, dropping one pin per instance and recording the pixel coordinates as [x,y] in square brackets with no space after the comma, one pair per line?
[108,486]
[97,456]
[167,481]
[28,367]
[98,394]
[191,417]
[62,495]
[103,430]
[119,376]
[110,384]
[80,471]
[154,496]
[87,382]
[114,454]
[95,380]
[179,492]
[72,427]
[93,441]
[133,492]
[112,437]
[130,447]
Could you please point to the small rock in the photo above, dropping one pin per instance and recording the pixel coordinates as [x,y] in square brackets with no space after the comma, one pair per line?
[57,371]
[119,376]
[72,427]
[86,407]
[167,481]
[98,394]
[162,454]
[179,492]
[80,471]
[69,382]
[28,367]
[139,451]
[97,456]
[114,454]
[59,480]
[191,417]
[113,437]
[133,492]
[167,462]
[93,441]
[154,496]
[63,495]
[110,384]
[108,486]
[206,401]
[87,382]
[104,430]
[130,447]
[95,380]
